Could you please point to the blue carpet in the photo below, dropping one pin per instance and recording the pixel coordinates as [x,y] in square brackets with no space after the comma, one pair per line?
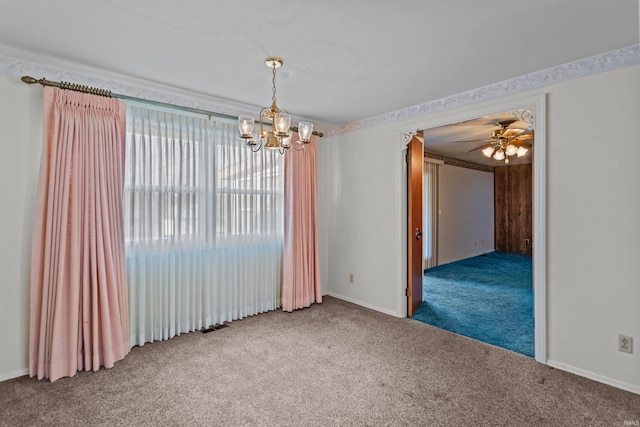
[488,298]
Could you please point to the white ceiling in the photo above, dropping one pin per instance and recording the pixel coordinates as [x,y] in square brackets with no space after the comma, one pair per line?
[463,140]
[344,60]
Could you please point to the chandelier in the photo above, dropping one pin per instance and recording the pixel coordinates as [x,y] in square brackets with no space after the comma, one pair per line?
[274,131]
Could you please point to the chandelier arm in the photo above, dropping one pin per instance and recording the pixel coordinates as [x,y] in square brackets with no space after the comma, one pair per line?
[258,147]
[316,133]
[263,112]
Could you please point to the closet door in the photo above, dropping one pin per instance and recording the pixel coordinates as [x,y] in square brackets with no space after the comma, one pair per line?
[513,186]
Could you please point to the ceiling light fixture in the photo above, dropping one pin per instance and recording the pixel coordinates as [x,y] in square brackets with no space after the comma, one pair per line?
[505,142]
[504,149]
[278,135]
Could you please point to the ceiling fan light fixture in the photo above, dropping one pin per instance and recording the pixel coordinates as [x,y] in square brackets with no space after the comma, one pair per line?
[499,155]
[521,151]
[488,151]
[511,150]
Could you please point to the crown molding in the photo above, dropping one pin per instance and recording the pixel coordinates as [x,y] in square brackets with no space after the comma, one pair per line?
[608,61]
[38,67]
[139,88]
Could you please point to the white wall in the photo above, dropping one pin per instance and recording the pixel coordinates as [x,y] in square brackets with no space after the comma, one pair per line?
[593,224]
[20,148]
[359,208]
[592,218]
[593,206]
[466,222]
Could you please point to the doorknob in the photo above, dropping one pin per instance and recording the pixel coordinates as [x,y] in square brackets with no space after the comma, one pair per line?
[418,234]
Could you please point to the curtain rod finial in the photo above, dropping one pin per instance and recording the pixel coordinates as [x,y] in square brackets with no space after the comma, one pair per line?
[29,80]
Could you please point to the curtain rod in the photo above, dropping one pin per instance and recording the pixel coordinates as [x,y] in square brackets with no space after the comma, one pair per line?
[107,93]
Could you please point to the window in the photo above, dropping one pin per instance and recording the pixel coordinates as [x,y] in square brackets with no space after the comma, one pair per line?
[190,179]
[204,220]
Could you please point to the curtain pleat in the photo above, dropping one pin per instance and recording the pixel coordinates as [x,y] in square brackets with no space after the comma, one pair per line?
[203,225]
[301,265]
[79,302]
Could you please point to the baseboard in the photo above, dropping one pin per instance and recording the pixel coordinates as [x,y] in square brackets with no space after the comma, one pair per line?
[360,303]
[593,376]
[15,374]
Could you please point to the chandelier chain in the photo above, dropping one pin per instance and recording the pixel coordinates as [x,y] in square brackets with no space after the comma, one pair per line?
[273,80]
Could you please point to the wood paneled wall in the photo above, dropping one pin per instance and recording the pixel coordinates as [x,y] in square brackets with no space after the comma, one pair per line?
[513,203]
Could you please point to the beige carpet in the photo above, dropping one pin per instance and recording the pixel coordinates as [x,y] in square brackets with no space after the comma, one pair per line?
[332,364]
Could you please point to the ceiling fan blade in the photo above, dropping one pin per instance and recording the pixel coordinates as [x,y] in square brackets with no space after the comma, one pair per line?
[478,148]
[512,133]
[523,144]
[523,137]
[506,123]
[473,140]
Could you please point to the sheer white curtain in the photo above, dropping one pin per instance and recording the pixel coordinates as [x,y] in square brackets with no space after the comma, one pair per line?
[203,224]
[430,212]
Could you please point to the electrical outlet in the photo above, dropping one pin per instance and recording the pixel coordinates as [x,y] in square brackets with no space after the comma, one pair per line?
[625,343]
[351,278]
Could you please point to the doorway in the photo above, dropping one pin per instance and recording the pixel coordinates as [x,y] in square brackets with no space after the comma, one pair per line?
[533,110]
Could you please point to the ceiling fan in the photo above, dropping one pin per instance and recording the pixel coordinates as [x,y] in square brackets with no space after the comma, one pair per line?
[505,142]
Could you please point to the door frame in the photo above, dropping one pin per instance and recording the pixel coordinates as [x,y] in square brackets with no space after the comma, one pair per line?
[532,110]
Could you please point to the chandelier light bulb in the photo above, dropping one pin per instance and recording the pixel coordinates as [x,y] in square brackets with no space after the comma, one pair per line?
[511,150]
[245,124]
[499,155]
[305,129]
[488,151]
[285,142]
[281,122]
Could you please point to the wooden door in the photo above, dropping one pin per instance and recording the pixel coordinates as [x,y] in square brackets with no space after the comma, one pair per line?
[513,187]
[415,159]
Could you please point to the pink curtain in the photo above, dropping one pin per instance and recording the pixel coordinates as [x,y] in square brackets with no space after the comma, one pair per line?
[301,266]
[79,300]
